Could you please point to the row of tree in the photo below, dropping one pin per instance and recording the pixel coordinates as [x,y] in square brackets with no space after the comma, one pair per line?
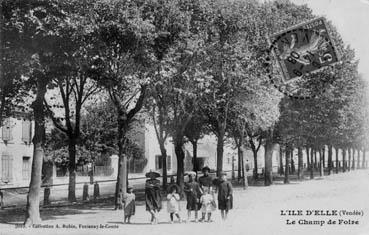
[194,67]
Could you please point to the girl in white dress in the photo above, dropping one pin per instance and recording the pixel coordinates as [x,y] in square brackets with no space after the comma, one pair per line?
[208,204]
[173,203]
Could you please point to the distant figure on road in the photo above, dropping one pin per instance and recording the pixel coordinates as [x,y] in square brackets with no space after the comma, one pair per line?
[152,195]
[225,197]
[193,194]
[129,205]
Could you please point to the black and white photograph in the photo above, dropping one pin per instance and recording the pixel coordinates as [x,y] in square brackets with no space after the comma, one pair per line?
[166,117]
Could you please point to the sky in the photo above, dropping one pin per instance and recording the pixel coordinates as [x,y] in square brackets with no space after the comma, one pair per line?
[351,17]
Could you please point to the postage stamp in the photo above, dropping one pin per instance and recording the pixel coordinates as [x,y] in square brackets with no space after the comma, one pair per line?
[300,52]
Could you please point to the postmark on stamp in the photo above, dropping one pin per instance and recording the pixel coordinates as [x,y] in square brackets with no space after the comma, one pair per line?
[301,52]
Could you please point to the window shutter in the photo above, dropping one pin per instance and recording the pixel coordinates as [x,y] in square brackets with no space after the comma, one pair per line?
[7,167]
[10,167]
[26,131]
[26,167]
[7,130]
[169,163]
[157,162]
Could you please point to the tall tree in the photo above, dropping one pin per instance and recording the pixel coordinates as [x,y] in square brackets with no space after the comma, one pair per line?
[73,88]
[131,41]
[38,28]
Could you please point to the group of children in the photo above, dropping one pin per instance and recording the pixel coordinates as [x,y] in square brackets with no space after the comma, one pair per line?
[199,196]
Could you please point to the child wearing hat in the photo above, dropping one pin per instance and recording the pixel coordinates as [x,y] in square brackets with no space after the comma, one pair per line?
[153,196]
[129,205]
[193,194]
[173,203]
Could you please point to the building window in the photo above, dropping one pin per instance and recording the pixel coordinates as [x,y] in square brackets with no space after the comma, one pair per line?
[6,167]
[26,168]
[26,131]
[158,162]
[169,163]
[7,130]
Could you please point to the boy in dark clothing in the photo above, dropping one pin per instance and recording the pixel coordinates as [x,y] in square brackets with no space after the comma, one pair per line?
[205,180]
[225,198]
[193,194]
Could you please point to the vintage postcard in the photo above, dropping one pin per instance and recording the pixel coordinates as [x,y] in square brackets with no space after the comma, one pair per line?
[184,117]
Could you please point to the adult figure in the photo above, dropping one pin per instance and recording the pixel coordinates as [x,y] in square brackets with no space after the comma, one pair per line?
[206,180]
[225,197]
[193,193]
[152,195]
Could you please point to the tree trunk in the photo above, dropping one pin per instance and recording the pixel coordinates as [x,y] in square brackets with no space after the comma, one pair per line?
[293,168]
[281,171]
[349,159]
[363,164]
[72,169]
[358,159]
[268,161]
[33,197]
[178,148]
[315,160]
[321,165]
[287,166]
[300,169]
[255,171]
[312,163]
[323,156]
[307,157]
[121,185]
[194,159]
[220,144]
[330,162]
[245,184]
[337,161]
[240,163]
[344,165]
[164,159]
[353,159]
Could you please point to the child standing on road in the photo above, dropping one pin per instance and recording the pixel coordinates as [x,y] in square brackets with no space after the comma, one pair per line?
[193,194]
[173,203]
[225,198]
[207,204]
[129,205]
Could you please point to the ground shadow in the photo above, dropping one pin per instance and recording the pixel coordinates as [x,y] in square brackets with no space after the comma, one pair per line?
[17,215]
[132,223]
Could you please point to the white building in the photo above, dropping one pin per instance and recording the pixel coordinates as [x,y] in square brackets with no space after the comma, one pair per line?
[16,150]
[206,153]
